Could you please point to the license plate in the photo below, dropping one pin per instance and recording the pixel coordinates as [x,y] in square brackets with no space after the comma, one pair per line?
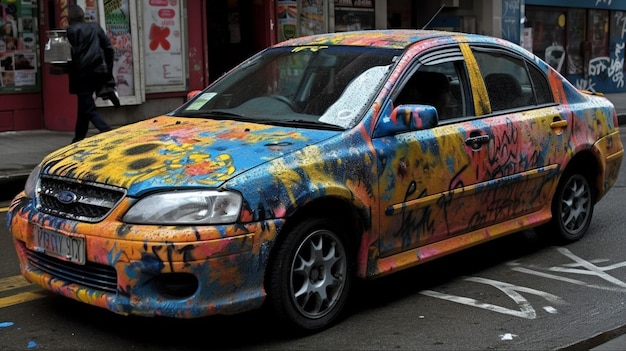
[64,247]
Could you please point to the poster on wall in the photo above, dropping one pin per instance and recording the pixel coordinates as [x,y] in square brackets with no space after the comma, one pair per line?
[312,18]
[163,56]
[511,20]
[287,13]
[18,46]
[117,24]
[90,8]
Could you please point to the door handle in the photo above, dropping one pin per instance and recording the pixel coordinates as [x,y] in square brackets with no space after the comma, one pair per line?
[558,124]
[475,142]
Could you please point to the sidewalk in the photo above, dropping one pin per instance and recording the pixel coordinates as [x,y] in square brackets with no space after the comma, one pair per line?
[23,150]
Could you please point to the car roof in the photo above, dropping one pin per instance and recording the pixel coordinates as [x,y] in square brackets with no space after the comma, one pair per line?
[390,38]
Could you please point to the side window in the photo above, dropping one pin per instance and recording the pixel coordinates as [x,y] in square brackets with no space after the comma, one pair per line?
[438,85]
[506,79]
[543,93]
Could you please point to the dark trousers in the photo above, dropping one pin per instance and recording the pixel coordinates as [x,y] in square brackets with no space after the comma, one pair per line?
[87,112]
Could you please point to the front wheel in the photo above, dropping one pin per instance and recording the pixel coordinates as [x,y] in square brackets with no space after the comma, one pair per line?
[572,208]
[311,275]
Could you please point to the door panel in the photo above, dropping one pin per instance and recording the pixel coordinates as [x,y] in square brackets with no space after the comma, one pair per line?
[477,172]
[460,177]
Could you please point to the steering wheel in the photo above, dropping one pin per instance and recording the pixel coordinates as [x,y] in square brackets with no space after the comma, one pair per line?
[285,100]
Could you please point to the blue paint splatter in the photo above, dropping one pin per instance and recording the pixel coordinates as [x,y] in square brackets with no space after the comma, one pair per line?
[31,345]
[5,324]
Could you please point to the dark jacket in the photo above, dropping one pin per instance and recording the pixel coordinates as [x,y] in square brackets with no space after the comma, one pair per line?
[92,57]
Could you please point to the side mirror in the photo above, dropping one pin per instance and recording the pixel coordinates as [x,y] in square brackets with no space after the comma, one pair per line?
[407,118]
[192,94]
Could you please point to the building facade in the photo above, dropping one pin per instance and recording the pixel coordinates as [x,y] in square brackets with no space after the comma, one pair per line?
[584,40]
[166,48]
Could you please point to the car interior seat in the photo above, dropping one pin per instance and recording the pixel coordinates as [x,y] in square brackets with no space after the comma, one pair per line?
[504,91]
[427,88]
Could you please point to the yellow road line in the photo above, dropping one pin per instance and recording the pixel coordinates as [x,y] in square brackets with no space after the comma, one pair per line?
[21,298]
[14,282]
[4,209]
[18,282]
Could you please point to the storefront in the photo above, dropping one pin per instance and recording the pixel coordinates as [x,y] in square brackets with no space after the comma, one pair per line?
[308,17]
[165,48]
[584,40]
[152,67]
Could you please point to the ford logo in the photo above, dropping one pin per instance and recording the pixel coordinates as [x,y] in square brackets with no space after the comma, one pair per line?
[67,197]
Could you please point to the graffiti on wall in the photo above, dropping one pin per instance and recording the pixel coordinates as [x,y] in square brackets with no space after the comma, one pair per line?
[511,20]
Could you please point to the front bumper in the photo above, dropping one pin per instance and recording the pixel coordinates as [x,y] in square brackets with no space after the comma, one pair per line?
[125,275]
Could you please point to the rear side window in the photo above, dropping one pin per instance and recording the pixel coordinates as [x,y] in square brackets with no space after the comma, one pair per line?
[511,83]
[543,93]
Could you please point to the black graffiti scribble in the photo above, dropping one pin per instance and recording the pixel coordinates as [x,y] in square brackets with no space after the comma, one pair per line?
[414,221]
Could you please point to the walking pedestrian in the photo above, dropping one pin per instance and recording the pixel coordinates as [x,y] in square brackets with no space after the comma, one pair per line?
[91,67]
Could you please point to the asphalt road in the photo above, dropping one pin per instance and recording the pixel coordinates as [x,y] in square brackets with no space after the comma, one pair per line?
[517,292]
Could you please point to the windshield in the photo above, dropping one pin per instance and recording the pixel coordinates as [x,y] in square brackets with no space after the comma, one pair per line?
[312,86]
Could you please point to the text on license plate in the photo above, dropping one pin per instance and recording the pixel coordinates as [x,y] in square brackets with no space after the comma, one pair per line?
[65,247]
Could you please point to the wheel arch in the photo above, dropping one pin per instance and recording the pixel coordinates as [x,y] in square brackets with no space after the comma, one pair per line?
[349,217]
[587,163]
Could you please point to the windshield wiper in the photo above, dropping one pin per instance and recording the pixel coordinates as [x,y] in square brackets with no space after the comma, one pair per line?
[221,115]
[308,124]
[210,113]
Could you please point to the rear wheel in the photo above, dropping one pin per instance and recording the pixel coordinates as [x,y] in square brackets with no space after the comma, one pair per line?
[572,208]
[311,275]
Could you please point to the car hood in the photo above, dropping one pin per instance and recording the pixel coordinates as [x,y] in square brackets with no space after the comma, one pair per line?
[167,152]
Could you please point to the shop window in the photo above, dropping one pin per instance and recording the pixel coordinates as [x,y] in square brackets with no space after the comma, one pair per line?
[548,34]
[119,20]
[162,66]
[576,39]
[598,32]
[353,15]
[163,59]
[19,67]
[120,30]
[297,18]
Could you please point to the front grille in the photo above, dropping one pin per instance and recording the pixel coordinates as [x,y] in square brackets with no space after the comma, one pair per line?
[83,201]
[90,275]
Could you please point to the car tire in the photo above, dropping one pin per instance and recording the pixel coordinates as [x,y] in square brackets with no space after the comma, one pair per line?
[572,209]
[311,275]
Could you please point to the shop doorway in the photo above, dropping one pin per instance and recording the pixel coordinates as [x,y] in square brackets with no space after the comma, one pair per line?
[230,34]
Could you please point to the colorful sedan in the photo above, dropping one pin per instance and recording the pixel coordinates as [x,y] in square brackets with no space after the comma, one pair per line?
[316,162]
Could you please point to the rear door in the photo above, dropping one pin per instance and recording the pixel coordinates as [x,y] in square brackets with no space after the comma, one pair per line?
[517,143]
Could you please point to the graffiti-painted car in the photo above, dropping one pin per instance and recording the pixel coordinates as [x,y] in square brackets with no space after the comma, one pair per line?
[314,163]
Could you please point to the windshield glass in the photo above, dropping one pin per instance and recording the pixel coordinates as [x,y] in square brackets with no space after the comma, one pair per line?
[325,86]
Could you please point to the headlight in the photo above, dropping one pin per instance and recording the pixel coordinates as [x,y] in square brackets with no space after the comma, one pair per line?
[31,182]
[186,207]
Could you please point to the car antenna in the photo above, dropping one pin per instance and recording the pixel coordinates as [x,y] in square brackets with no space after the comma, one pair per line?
[435,15]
